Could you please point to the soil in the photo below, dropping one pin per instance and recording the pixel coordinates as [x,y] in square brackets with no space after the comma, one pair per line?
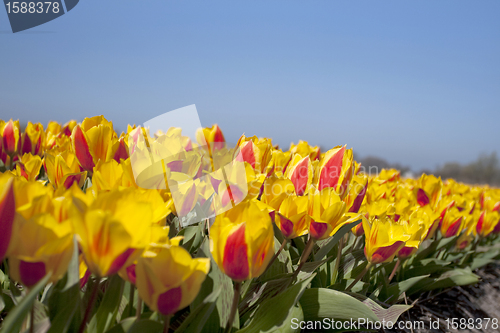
[479,303]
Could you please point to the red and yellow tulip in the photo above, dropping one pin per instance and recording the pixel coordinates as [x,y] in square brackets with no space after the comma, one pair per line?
[242,241]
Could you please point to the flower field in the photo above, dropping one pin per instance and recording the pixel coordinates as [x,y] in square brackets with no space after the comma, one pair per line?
[159,232]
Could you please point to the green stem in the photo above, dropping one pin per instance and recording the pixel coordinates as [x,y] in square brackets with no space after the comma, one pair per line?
[360,276]
[337,262]
[139,308]
[234,307]
[305,255]
[131,300]
[90,305]
[32,319]
[166,325]
[395,269]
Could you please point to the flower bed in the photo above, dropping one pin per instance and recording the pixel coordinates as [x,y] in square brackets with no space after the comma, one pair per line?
[157,232]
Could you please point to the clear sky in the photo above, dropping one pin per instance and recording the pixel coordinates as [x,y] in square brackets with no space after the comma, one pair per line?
[415,82]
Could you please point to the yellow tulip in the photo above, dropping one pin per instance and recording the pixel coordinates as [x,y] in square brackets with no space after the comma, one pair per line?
[242,241]
[292,218]
[63,170]
[32,140]
[304,149]
[170,280]
[487,223]
[383,239]
[28,167]
[113,231]
[453,222]
[92,141]
[415,227]
[276,190]
[42,245]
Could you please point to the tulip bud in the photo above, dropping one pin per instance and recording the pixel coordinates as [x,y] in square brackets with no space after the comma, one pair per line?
[212,137]
[33,139]
[242,241]
[170,280]
[10,137]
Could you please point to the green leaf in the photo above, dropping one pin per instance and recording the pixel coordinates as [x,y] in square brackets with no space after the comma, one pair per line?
[149,326]
[14,319]
[396,289]
[456,277]
[197,318]
[390,314]
[108,309]
[323,251]
[318,303]
[480,262]
[123,326]
[426,266]
[269,317]
[130,325]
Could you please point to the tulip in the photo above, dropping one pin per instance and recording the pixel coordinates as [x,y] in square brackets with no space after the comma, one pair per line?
[389,175]
[113,231]
[107,175]
[415,227]
[453,222]
[487,223]
[32,198]
[170,280]
[464,240]
[276,190]
[336,170]
[7,213]
[304,149]
[42,245]
[256,152]
[32,140]
[159,240]
[212,137]
[92,141]
[280,161]
[356,193]
[242,241]
[328,213]
[428,190]
[10,137]
[383,240]
[300,172]
[29,167]
[292,218]
[63,170]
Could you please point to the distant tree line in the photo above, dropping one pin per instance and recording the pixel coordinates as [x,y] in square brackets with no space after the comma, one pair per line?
[484,170]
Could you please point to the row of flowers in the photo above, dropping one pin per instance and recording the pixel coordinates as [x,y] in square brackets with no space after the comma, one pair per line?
[82,181]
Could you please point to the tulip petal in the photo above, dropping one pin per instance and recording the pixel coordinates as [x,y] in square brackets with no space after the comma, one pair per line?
[169,301]
[7,214]
[236,255]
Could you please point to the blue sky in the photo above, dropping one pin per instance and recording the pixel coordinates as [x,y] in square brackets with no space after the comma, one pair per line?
[413,82]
